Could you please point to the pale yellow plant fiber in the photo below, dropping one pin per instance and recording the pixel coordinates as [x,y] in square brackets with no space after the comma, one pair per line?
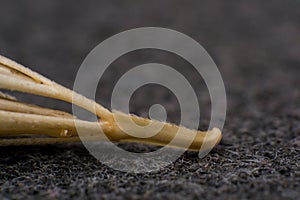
[45,126]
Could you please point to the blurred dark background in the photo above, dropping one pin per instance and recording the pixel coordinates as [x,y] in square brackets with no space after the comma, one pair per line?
[256,46]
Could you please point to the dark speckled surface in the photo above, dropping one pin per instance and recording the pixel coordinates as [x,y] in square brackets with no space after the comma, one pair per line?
[256,46]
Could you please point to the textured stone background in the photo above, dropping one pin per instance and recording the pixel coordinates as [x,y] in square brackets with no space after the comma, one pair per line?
[256,46]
